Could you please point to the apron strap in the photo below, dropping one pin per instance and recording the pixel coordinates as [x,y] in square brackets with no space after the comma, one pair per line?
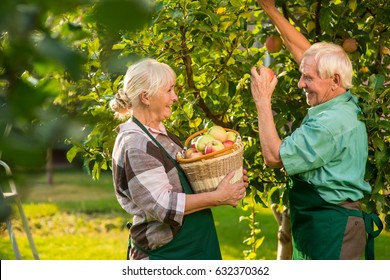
[369,221]
[183,179]
[182,176]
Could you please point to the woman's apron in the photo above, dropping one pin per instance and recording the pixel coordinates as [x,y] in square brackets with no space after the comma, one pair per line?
[318,227]
[197,238]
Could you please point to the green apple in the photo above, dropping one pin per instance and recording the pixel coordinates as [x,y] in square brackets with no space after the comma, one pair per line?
[232,136]
[213,146]
[202,141]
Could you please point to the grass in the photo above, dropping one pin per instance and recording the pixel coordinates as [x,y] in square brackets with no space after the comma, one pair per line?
[77,218]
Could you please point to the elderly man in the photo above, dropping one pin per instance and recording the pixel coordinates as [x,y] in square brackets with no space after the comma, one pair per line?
[326,156]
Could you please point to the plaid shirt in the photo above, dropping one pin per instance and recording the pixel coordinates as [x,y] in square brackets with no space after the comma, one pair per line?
[147,185]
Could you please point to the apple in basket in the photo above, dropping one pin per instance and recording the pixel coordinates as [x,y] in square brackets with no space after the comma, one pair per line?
[232,136]
[193,142]
[202,141]
[195,154]
[218,132]
[189,152]
[228,143]
[213,146]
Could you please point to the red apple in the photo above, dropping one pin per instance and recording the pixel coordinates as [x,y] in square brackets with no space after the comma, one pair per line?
[273,44]
[228,143]
[189,152]
[193,141]
[196,154]
[270,73]
[213,146]
[202,141]
[218,132]
[350,45]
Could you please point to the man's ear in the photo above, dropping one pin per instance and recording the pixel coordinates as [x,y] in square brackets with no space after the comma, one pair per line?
[336,81]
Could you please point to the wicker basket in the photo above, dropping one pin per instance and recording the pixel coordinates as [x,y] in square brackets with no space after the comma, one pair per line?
[206,172]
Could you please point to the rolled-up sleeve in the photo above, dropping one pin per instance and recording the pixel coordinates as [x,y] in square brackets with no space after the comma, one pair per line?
[309,147]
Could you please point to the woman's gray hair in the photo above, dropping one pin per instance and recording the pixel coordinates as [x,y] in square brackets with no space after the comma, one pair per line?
[146,76]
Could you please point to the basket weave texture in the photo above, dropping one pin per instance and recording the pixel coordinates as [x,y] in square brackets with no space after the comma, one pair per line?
[206,173]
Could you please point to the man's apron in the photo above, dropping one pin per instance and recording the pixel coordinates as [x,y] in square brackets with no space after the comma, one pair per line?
[318,227]
[197,238]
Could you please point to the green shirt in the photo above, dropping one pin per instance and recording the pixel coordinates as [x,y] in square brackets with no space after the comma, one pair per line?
[329,150]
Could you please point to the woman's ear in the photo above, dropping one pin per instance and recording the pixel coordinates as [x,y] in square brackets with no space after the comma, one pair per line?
[144,98]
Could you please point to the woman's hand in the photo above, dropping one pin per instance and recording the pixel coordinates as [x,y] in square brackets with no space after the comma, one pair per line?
[231,194]
[225,194]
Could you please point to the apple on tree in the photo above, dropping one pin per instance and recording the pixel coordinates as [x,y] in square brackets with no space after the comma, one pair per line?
[350,45]
[273,44]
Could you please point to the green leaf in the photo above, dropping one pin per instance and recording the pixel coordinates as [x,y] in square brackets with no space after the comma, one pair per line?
[214,19]
[71,154]
[129,15]
[376,81]
[236,3]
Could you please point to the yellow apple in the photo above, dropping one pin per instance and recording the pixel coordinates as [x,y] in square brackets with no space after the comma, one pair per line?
[218,132]
[230,135]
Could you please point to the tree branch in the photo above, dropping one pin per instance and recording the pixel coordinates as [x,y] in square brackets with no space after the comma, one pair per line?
[190,79]
[296,21]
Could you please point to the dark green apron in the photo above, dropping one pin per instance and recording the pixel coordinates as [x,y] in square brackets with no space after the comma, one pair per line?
[197,238]
[318,227]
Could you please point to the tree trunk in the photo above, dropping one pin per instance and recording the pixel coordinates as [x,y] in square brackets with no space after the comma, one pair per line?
[49,166]
[284,233]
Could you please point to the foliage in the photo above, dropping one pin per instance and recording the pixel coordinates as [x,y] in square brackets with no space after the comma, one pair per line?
[60,65]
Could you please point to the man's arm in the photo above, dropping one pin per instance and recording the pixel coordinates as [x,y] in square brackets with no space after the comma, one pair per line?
[295,42]
[270,141]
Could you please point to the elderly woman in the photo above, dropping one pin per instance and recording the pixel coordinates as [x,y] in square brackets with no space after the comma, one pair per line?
[169,221]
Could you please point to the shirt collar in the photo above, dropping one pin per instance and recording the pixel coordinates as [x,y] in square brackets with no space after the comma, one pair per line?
[345,97]
[132,126]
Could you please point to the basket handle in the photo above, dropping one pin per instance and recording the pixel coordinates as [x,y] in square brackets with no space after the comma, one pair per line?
[224,151]
[193,136]
[203,131]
